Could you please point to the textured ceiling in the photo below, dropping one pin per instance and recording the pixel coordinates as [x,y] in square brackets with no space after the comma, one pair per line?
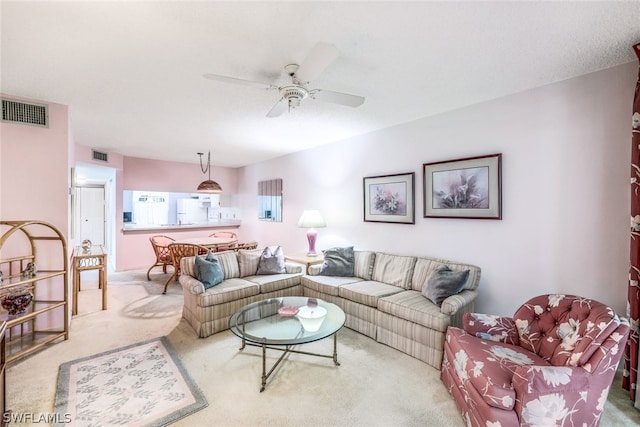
[131,72]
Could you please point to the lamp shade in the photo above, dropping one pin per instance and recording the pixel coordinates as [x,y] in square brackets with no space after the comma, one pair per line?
[311,219]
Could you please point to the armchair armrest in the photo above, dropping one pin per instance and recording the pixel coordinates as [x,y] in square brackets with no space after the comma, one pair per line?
[490,327]
[564,389]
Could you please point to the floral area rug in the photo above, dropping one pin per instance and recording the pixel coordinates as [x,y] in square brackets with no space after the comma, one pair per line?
[143,384]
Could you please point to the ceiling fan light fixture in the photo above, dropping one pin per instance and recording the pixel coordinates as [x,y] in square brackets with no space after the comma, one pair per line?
[294,94]
[208,186]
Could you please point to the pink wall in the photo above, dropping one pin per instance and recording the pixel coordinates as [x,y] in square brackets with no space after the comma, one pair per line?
[35,170]
[160,175]
[34,185]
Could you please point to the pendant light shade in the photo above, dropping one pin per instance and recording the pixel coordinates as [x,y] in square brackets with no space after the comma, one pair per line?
[208,186]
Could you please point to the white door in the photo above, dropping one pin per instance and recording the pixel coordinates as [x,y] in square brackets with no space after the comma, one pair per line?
[91,204]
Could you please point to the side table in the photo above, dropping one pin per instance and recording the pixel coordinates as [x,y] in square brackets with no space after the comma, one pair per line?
[95,258]
[306,260]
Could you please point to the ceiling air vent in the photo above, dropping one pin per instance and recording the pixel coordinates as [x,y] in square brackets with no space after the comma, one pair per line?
[25,113]
[98,155]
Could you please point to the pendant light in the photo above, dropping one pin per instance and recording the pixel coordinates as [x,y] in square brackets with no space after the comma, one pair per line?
[208,186]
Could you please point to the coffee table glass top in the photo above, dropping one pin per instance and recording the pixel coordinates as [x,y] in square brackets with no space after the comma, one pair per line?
[272,321]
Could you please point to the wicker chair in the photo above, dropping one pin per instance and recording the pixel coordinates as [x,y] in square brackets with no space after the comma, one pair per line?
[225,234]
[246,245]
[229,234]
[179,251]
[160,246]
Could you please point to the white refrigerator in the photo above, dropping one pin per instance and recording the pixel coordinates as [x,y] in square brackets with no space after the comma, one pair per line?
[190,211]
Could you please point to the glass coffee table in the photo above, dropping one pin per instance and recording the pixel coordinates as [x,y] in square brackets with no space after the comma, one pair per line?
[283,323]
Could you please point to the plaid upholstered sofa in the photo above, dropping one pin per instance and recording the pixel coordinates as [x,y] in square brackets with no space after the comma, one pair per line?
[551,364]
[383,300]
[208,310]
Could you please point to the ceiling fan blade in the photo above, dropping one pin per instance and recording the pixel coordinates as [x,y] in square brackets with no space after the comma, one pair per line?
[319,58]
[279,108]
[338,98]
[226,79]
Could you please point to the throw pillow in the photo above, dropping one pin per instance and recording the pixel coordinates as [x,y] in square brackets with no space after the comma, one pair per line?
[248,260]
[443,283]
[271,261]
[209,271]
[338,262]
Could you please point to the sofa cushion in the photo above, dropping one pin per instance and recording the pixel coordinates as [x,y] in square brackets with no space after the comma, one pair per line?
[275,282]
[338,262]
[394,270]
[327,284]
[208,270]
[229,290]
[367,292]
[489,366]
[229,263]
[413,307]
[248,260]
[271,261]
[363,264]
[425,266]
[443,283]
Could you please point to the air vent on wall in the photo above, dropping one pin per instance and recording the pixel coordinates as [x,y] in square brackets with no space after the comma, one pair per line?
[25,113]
[97,155]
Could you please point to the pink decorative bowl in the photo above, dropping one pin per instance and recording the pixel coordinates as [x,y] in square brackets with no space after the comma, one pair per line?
[287,311]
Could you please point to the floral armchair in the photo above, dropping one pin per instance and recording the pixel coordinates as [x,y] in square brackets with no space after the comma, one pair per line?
[551,364]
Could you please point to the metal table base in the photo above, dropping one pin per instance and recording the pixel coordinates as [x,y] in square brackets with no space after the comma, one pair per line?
[286,350]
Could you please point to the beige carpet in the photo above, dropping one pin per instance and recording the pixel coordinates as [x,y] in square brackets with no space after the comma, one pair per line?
[374,386]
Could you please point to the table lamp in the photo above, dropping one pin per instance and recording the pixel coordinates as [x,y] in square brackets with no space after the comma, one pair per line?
[311,219]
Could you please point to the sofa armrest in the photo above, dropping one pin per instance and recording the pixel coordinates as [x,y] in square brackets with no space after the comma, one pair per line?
[292,268]
[314,269]
[191,284]
[455,303]
[490,327]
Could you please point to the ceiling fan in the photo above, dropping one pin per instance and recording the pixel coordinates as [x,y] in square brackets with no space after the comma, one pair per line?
[319,58]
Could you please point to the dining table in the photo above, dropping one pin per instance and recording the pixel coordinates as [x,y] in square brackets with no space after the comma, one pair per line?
[212,243]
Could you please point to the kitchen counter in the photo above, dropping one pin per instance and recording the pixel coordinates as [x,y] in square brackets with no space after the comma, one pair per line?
[178,227]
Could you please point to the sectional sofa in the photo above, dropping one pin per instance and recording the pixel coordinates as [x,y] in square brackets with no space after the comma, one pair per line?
[382,299]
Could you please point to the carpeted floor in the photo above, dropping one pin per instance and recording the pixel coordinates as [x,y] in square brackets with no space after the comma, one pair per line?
[374,386]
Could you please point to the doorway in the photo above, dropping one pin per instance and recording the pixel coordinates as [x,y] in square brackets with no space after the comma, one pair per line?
[92,214]
[95,201]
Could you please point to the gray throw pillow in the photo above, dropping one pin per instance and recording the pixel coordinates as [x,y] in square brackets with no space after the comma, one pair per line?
[271,261]
[338,262]
[443,283]
[209,271]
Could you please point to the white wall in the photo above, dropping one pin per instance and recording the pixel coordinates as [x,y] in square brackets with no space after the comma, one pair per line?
[565,171]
